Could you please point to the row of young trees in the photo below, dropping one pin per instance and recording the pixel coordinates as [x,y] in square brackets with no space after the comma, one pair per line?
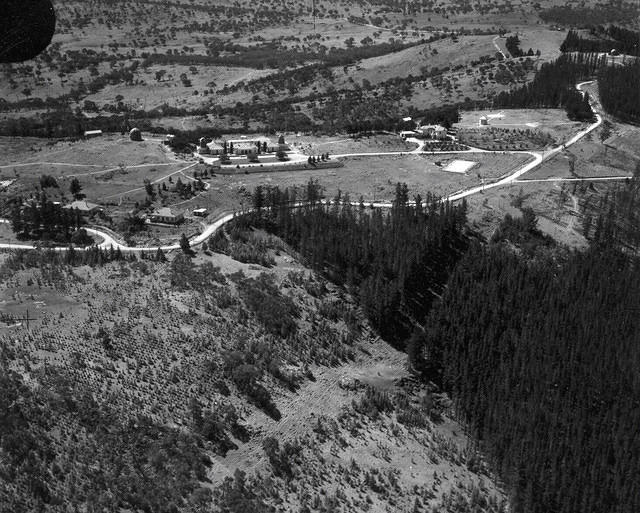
[396,262]
[554,87]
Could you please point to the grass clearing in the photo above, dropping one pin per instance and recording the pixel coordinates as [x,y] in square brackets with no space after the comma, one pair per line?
[552,121]
[341,144]
[375,178]
[553,204]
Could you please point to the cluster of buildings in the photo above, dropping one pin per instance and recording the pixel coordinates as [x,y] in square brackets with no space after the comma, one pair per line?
[162,215]
[436,132]
[242,146]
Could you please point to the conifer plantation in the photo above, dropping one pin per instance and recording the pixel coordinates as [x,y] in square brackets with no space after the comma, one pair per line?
[619,89]
[541,356]
[554,87]
[396,262]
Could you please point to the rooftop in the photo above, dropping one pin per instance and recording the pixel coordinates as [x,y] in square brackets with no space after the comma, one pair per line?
[82,205]
[253,140]
[164,212]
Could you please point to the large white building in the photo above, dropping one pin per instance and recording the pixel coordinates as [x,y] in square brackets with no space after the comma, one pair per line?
[433,131]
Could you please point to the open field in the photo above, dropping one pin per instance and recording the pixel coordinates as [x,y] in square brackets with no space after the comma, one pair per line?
[337,145]
[439,54]
[591,158]
[555,205]
[101,152]
[112,171]
[551,121]
[375,178]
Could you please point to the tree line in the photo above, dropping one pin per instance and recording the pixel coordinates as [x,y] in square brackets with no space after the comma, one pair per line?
[604,39]
[584,16]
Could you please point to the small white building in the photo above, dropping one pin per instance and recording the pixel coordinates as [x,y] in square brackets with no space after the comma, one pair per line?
[200,212]
[483,121]
[92,133]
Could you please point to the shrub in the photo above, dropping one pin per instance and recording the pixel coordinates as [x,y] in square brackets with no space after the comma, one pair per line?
[282,460]
[275,311]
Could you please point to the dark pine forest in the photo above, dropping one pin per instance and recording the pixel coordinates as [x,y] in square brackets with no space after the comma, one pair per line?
[619,89]
[542,358]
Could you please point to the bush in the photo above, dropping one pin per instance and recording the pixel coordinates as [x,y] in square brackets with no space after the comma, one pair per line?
[282,460]
[246,376]
[81,238]
[275,311]
[373,403]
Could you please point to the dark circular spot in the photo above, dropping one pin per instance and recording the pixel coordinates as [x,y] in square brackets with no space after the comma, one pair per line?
[26,28]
